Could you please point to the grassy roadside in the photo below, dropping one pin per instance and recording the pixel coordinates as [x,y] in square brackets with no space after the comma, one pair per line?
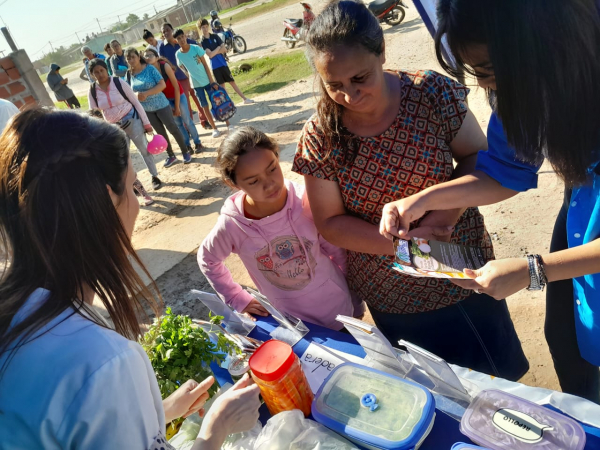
[83,100]
[269,74]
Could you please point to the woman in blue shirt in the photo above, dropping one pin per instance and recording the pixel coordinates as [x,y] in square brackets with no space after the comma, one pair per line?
[540,62]
[67,379]
[149,84]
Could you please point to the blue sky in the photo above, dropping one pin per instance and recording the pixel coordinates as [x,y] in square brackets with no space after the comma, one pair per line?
[35,22]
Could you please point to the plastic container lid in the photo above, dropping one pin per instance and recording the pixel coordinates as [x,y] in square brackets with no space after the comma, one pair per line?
[238,366]
[463,446]
[272,360]
[373,408]
[501,421]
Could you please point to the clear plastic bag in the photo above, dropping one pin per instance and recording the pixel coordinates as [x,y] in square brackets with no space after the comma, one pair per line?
[290,430]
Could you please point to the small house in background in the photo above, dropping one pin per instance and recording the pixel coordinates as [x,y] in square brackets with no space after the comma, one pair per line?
[133,33]
[97,43]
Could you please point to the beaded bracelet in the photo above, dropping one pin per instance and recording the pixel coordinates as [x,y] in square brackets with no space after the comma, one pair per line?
[537,274]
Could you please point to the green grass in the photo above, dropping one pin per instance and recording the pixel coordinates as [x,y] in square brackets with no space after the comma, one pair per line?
[268,74]
[83,100]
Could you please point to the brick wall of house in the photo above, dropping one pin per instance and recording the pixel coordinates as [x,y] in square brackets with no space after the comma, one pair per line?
[20,83]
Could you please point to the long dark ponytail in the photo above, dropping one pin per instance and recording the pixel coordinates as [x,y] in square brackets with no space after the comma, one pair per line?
[546,60]
[348,23]
[60,228]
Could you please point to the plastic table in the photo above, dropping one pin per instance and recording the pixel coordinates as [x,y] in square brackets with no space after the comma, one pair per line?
[445,432]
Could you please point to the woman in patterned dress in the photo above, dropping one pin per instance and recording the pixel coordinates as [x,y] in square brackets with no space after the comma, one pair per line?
[380,136]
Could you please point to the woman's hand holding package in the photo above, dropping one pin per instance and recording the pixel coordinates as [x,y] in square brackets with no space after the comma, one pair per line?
[397,216]
[188,399]
[233,412]
[498,279]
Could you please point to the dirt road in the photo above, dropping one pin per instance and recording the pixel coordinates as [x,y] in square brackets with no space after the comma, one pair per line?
[169,232]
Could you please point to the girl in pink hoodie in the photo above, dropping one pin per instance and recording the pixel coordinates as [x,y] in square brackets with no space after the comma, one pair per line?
[269,225]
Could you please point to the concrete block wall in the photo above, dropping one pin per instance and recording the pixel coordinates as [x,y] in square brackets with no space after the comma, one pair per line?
[20,82]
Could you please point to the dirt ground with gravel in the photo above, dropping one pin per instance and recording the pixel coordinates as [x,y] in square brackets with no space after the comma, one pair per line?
[169,232]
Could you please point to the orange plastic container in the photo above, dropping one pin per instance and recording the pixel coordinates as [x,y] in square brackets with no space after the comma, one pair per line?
[278,373]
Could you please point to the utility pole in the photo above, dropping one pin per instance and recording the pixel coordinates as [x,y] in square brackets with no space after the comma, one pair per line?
[78,38]
[155,11]
[99,25]
[120,23]
[51,46]
[187,19]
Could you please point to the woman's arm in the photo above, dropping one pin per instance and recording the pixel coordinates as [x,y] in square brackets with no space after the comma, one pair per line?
[504,277]
[233,412]
[476,188]
[337,226]
[208,71]
[136,103]
[175,83]
[439,223]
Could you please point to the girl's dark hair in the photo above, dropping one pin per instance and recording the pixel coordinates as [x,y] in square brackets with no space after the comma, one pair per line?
[97,62]
[133,50]
[107,46]
[348,23]
[240,142]
[161,58]
[59,226]
[546,60]
[147,34]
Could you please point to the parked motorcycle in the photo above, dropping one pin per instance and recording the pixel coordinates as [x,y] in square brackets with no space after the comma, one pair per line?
[390,11]
[228,36]
[296,30]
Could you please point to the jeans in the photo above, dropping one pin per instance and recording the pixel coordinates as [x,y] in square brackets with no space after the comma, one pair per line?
[576,375]
[163,118]
[134,129]
[184,121]
[476,333]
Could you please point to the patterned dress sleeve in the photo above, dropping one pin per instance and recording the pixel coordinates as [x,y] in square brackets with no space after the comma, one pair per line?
[311,154]
[448,98]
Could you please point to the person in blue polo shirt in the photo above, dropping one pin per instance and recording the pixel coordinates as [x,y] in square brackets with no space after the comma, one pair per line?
[543,79]
[167,48]
[215,49]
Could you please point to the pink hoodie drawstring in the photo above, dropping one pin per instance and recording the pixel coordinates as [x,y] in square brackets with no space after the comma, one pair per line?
[310,269]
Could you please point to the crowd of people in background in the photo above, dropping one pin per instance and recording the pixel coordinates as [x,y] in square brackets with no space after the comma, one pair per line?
[152,91]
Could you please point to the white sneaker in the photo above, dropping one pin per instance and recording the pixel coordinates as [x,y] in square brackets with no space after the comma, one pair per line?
[216,133]
[230,129]
[248,101]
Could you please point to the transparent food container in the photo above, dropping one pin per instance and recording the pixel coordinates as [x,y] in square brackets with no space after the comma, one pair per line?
[278,373]
[374,409]
[502,421]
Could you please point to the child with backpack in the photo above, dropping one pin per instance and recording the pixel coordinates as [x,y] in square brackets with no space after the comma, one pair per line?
[120,106]
[191,58]
[217,52]
[268,223]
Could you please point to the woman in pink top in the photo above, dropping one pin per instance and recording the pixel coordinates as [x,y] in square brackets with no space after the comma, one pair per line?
[123,110]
